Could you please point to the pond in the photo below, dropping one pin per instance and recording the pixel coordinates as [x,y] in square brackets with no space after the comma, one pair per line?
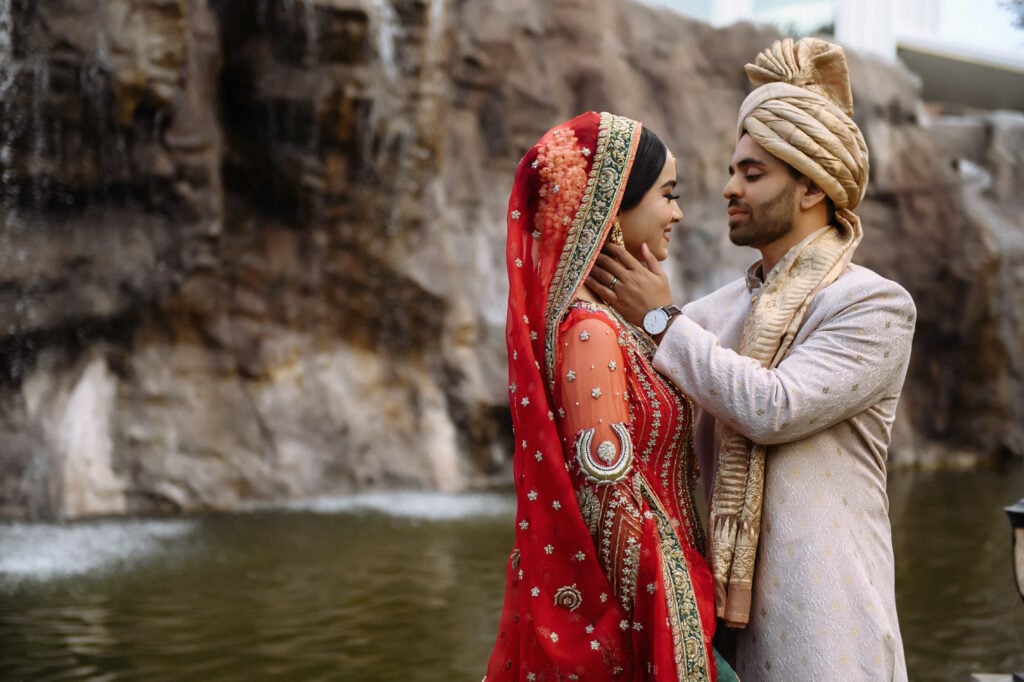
[407,586]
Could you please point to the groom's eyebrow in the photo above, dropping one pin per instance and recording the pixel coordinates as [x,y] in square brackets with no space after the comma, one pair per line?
[743,163]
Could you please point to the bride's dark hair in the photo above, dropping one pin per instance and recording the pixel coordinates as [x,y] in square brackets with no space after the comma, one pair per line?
[647,166]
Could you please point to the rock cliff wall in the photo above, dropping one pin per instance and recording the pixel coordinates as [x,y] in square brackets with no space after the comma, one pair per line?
[253,249]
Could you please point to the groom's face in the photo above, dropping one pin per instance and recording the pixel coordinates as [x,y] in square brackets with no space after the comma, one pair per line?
[761,194]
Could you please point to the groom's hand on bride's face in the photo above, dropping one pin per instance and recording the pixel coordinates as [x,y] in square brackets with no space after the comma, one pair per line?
[630,286]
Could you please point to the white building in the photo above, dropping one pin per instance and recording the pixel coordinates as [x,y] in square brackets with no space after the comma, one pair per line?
[967,52]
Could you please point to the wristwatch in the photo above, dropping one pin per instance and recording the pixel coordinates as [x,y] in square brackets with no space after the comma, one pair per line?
[656,320]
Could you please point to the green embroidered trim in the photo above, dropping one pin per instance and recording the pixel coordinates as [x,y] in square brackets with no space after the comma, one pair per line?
[684,617]
[616,145]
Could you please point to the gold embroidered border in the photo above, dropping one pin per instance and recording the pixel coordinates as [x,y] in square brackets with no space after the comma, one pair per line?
[616,145]
[684,616]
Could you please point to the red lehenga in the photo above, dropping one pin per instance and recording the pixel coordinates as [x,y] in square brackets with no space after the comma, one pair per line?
[606,580]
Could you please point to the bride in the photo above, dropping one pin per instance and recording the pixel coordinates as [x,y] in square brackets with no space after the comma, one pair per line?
[607,579]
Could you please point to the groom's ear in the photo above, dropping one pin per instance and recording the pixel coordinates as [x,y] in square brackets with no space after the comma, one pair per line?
[810,194]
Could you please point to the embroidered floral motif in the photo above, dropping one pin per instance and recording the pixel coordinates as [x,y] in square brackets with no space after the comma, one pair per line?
[595,393]
[600,472]
[568,597]
[516,215]
[590,510]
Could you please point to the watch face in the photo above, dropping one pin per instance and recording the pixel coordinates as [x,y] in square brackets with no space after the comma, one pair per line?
[655,321]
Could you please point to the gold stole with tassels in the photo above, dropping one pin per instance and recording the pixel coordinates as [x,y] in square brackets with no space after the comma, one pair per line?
[738,491]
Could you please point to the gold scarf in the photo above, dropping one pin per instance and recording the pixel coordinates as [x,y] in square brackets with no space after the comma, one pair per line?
[775,316]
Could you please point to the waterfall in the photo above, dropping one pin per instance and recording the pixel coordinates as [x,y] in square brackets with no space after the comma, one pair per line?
[40,86]
[313,143]
[312,37]
[436,21]
[8,74]
[7,190]
[387,38]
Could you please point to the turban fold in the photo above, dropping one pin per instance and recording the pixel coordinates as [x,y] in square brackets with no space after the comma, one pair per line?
[801,112]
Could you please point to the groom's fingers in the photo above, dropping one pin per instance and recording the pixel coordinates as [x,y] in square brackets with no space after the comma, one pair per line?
[621,256]
[599,287]
[609,266]
[606,278]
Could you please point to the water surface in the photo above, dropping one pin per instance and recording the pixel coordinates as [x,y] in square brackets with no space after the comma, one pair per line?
[408,587]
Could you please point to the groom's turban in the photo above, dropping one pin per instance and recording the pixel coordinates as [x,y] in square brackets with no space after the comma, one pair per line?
[801,112]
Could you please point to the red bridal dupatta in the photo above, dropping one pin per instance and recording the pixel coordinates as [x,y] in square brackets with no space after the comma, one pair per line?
[564,617]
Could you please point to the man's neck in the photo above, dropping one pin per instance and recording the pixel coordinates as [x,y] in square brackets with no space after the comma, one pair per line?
[772,253]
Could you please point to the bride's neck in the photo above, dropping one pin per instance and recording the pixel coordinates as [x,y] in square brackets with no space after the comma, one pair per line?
[587,295]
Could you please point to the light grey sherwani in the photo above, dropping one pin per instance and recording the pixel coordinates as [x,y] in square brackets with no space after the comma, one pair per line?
[823,605]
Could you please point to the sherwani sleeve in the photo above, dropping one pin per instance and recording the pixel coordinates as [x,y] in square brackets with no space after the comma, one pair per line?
[855,352]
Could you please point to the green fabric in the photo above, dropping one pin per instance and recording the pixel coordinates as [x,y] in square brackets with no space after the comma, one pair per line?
[725,671]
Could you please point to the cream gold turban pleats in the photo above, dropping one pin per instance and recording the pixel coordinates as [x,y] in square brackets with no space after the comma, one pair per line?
[800,113]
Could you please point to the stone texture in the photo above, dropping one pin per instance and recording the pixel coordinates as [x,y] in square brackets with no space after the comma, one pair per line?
[252,250]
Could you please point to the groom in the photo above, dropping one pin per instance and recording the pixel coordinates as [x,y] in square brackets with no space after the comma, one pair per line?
[797,368]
